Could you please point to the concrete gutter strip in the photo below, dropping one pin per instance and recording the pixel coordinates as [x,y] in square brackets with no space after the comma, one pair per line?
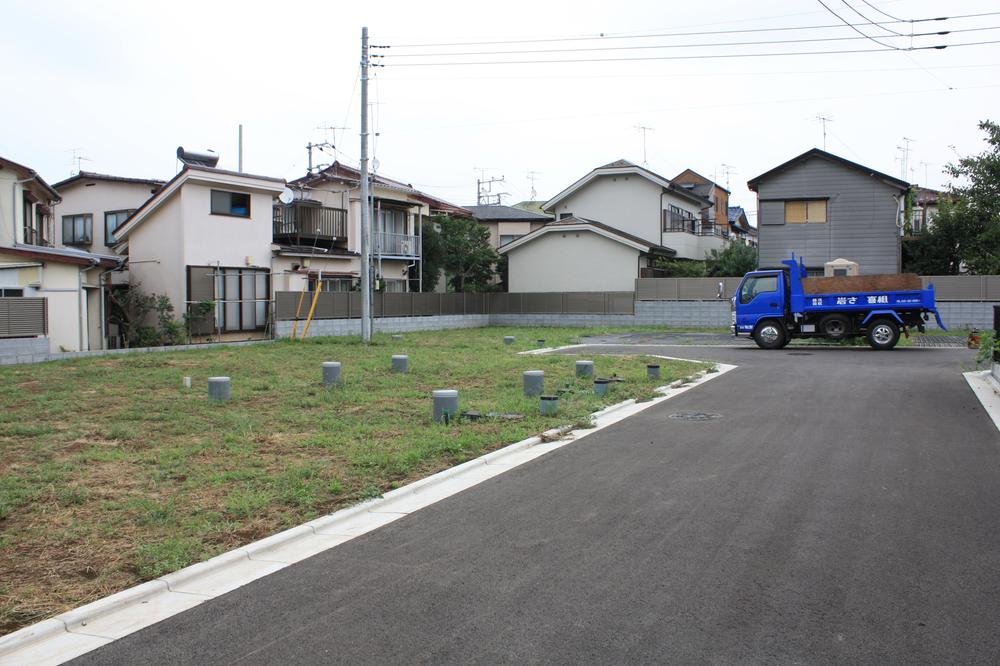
[88,627]
[987,389]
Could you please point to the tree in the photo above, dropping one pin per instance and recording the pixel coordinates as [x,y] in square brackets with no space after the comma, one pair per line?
[685,268]
[966,231]
[468,257]
[736,260]
[432,255]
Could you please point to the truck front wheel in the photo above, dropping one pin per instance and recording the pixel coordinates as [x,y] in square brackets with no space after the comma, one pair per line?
[770,335]
[883,334]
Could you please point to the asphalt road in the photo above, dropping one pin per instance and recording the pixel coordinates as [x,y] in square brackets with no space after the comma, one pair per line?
[844,507]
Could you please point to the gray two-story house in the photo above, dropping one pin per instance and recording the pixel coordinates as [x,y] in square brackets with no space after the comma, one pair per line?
[823,207]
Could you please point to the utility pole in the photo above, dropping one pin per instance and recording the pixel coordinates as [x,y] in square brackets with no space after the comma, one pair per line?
[484,190]
[824,119]
[644,129]
[366,285]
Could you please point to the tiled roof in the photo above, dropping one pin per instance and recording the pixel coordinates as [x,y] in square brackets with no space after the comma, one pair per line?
[90,175]
[506,213]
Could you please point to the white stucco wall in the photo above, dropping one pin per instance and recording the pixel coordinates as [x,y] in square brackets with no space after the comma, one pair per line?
[225,240]
[634,204]
[10,214]
[101,197]
[156,256]
[572,261]
[627,202]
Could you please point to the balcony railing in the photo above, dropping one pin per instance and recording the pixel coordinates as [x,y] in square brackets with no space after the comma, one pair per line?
[397,245]
[309,223]
[693,227]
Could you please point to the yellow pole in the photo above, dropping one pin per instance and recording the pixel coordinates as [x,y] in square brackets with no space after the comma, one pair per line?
[298,308]
[312,309]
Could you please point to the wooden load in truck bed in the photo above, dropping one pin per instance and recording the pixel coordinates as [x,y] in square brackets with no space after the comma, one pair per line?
[861,284]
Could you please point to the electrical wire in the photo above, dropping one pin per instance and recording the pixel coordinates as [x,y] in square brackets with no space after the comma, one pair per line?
[854,27]
[894,18]
[673,34]
[711,56]
[870,22]
[677,46]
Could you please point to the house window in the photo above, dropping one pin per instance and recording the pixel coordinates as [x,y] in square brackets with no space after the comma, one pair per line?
[78,229]
[805,212]
[918,220]
[394,286]
[112,220]
[392,220]
[509,238]
[241,295]
[8,292]
[230,203]
[340,284]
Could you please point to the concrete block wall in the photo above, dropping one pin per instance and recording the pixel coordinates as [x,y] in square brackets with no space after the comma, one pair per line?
[338,327]
[562,320]
[684,314]
[965,314]
[23,350]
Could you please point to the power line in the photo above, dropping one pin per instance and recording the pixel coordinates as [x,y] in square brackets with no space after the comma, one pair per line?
[679,46]
[870,22]
[710,56]
[854,27]
[894,18]
[672,75]
[676,34]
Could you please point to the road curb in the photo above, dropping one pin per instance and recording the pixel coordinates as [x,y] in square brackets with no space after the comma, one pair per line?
[987,389]
[28,645]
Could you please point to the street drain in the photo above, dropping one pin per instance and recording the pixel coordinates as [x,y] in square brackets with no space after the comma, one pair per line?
[800,353]
[696,416]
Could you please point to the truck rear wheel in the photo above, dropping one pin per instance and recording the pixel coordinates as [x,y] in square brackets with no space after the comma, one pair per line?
[835,326]
[770,335]
[883,334]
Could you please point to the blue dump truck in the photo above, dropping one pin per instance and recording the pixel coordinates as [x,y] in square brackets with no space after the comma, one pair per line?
[776,305]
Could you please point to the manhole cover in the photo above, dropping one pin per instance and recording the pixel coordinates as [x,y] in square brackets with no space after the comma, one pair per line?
[800,353]
[695,416]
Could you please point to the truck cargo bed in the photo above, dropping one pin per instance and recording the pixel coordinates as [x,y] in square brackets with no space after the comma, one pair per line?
[859,284]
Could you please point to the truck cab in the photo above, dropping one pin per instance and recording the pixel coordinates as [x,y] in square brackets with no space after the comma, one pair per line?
[761,294]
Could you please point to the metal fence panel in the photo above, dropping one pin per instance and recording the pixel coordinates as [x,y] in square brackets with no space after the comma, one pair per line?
[992,288]
[23,317]
[956,287]
[621,302]
[397,305]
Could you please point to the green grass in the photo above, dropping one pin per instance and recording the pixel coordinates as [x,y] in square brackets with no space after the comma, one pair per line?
[112,473]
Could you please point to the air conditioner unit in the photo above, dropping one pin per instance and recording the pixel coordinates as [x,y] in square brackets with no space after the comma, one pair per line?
[404,247]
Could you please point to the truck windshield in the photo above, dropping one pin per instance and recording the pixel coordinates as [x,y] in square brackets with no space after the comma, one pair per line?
[758,284]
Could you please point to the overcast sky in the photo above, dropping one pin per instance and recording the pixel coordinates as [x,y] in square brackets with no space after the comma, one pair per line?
[123,84]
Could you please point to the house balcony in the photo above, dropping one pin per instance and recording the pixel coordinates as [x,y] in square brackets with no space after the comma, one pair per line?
[300,224]
[397,245]
[696,228]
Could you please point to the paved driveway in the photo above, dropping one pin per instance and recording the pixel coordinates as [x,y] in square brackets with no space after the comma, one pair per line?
[842,508]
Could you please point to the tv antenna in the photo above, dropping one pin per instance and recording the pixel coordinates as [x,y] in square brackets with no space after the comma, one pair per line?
[76,166]
[823,119]
[644,129]
[532,175]
[727,170]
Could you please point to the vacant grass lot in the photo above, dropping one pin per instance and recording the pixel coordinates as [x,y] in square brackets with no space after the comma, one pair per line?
[111,473]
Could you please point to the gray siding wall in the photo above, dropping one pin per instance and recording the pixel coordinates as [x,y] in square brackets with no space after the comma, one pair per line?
[861,217]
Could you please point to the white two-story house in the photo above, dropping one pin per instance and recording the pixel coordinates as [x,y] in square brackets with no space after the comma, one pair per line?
[611,225]
[206,236]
